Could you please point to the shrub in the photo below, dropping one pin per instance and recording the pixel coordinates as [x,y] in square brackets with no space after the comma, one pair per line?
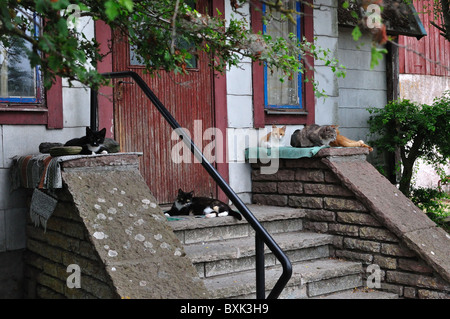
[415,130]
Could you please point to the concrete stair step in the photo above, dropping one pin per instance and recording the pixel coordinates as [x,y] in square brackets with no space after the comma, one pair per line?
[190,229]
[233,255]
[309,279]
[359,293]
[223,251]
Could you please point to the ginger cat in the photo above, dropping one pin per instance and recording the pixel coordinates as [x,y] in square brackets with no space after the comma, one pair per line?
[343,141]
[274,138]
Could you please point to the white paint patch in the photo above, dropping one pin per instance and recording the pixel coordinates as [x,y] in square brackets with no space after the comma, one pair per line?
[127,245]
[112,253]
[97,206]
[142,283]
[158,237]
[101,200]
[119,204]
[101,216]
[177,252]
[139,222]
[106,247]
[139,237]
[156,217]
[122,192]
[153,205]
[148,244]
[99,235]
[113,269]
[146,201]
[129,230]
[165,246]
[112,210]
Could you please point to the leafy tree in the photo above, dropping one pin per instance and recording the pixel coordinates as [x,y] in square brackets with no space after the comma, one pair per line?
[158,29]
[416,130]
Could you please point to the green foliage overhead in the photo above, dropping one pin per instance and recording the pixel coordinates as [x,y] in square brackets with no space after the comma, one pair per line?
[156,28]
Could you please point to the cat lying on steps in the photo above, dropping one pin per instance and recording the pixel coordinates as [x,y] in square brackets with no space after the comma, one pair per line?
[187,204]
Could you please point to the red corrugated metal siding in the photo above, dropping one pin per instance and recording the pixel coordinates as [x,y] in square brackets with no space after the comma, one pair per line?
[433,47]
[140,127]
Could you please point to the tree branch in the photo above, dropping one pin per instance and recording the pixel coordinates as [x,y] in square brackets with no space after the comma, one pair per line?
[174,27]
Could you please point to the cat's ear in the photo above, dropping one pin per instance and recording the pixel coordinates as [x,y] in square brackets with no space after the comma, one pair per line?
[180,191]
[274,126]
[88,130]
[284,128]
[103,131]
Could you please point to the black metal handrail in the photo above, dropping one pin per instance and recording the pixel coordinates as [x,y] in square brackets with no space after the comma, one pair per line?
[261,235]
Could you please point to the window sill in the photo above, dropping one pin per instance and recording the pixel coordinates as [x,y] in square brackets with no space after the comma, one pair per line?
[285,111]
[22,108]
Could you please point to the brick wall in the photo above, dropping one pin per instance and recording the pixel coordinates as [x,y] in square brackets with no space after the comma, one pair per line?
[49,254]
[332,208]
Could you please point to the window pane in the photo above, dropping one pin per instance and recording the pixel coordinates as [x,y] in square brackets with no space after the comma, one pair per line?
[19,82]
[17,77]
[286,93]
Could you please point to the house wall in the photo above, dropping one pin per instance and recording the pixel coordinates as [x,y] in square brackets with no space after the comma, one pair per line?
[25,140]
[362,87]
[240,128]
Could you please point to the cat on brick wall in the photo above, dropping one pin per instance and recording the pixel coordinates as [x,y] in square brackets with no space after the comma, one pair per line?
[273,138]
[313,135]
[342,141]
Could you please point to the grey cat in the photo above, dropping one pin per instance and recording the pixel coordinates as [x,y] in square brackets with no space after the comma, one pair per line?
[313,135]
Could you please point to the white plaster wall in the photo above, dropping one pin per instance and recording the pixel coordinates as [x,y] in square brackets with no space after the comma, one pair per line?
[326,32]
[362,87]
[240,119]
[422,88]
[25,140]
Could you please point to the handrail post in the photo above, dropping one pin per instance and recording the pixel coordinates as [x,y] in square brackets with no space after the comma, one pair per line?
[94,110]
[260,273]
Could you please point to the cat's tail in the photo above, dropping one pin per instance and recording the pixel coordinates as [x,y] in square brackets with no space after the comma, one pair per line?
[235,214]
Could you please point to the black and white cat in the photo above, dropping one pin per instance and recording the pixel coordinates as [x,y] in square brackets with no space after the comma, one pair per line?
[187,204]
[91,143]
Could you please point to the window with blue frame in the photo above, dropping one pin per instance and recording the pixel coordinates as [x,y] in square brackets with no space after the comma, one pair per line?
[19,81]
[284,95]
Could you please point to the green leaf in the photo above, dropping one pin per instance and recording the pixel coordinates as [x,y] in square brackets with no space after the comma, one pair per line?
[376,55]
[356,33]
[111,9]
[346,4]
[128,4]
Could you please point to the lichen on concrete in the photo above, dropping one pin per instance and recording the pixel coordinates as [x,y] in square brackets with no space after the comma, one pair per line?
[139,250]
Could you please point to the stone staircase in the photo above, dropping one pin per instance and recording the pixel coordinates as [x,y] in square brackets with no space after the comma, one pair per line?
[223,253]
